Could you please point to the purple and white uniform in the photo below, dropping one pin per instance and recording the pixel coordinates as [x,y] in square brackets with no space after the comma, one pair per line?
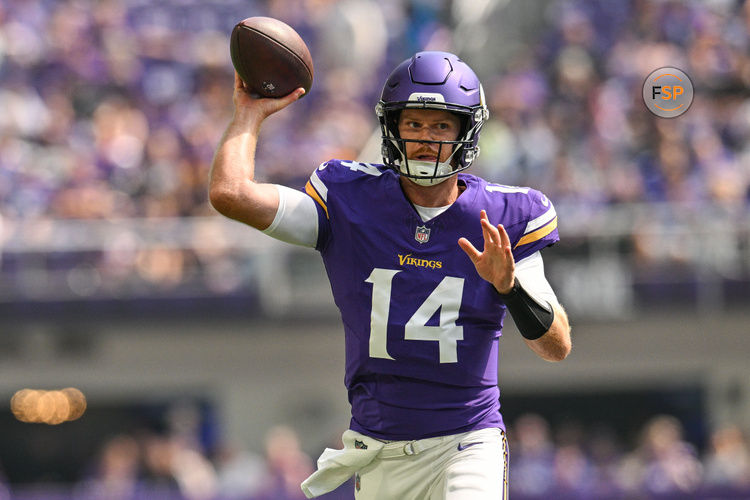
[421,325]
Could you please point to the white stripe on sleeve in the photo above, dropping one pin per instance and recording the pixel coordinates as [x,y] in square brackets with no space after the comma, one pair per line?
[541,220]
[319,186]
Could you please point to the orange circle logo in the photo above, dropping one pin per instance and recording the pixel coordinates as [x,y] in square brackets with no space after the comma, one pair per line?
[668,92]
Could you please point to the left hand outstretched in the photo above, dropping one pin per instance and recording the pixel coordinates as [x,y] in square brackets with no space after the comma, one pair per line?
[495,264]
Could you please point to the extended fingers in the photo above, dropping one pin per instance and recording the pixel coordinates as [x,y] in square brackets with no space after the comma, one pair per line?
[494,235]
[470,250]
[490,232]
[487,232]
[504,238]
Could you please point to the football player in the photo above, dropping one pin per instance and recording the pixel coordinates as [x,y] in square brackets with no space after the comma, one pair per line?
[424,261]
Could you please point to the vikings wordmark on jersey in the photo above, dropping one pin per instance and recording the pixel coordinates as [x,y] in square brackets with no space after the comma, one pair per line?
[421,338]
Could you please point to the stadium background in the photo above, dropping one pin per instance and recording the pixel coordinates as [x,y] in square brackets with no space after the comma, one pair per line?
[211,356]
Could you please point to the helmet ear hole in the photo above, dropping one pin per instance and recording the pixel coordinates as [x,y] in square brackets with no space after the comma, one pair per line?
[465,125]
[390,151]
[389,121]
[393,117]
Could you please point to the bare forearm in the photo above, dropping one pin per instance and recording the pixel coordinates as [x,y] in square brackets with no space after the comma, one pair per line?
[555,345]
[232,187]
[234,160]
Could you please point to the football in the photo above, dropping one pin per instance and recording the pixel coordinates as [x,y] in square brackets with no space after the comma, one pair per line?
[270,57]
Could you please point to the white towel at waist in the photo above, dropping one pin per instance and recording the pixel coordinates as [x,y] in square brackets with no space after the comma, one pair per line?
[336,466]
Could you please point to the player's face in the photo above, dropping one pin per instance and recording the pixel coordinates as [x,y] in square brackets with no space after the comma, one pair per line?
[428,125]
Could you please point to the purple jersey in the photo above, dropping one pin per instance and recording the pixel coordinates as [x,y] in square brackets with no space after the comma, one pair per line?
[421,325]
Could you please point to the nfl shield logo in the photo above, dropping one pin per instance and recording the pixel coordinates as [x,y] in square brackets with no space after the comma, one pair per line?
[422,235]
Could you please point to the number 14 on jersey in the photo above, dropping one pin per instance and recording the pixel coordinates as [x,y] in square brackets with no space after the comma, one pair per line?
[446,297]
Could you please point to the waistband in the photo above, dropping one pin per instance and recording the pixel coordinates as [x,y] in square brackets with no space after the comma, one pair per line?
[392,449]
[400,448]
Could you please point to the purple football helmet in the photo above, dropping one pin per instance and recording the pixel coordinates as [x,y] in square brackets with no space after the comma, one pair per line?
[432,80]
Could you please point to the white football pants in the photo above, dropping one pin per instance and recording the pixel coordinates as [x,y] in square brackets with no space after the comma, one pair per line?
[468,466]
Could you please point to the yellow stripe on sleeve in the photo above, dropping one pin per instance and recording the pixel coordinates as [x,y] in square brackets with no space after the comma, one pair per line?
[309,189]
[538,234]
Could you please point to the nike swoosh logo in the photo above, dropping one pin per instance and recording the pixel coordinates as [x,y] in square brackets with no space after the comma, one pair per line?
[467,445]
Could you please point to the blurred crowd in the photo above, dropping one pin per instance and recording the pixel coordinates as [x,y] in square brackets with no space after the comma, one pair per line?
[592,463]
[131,467]
[113,109]
[570,117]
[564,461]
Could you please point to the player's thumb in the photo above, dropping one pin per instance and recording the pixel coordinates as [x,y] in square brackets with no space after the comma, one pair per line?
[280,103]
[272,105]
[293,96]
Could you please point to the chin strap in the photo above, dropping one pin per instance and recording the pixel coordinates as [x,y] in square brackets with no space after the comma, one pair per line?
[532,318]
[420,167]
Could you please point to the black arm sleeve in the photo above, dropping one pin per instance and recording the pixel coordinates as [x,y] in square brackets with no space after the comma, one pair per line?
[532,318]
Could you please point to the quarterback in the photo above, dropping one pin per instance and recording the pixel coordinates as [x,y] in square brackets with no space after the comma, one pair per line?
[424,261]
